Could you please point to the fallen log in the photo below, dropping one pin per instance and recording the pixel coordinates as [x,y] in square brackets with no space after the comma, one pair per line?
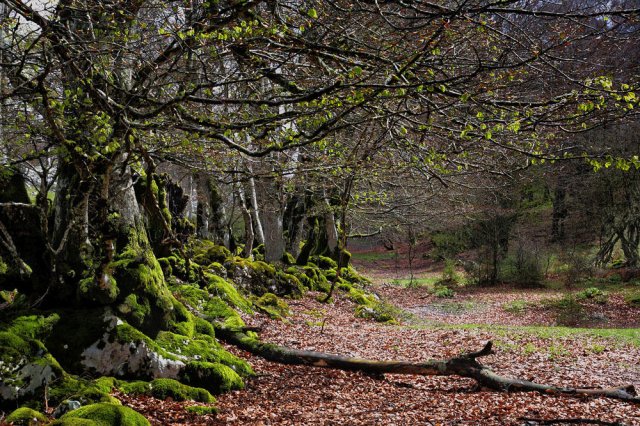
[465,365]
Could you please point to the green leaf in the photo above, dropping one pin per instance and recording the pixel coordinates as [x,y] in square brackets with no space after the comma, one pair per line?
[312,13]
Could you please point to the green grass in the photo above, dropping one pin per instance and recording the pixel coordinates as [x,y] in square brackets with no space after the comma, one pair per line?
[619,335]
[515,306]
[615,335]
[428,282]
[373,256]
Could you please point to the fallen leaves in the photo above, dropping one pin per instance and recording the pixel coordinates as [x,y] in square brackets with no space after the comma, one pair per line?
[299,395]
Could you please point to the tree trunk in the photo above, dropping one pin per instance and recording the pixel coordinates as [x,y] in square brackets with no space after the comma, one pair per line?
[559,211]
[248,224]
[271,214]
[465,365]
[255,210]
[331,229]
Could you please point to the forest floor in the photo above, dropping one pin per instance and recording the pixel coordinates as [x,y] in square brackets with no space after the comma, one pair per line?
[520,323]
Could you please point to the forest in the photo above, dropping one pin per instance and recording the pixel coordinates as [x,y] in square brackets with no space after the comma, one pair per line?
[303,212]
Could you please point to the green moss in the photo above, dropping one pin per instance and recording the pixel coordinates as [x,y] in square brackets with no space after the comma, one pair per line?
[137,387]
[214,307]
[203,348]
[218,286]
[317,280]
[361,298]
[33,326]
[23,351]
[26,416]
[85,391]
[106,415]
[133,310]
[324,262]
[138,272]
[184,322]
[258,252]
[72,421]
[203,327]
[103,291]
[288,259]
[169,388]
[105,384]
[215,377]
[218,309]
[207,252]
[273,306]
[201,410]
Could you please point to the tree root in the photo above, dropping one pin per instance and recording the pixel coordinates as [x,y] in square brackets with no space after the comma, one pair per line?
[465,365]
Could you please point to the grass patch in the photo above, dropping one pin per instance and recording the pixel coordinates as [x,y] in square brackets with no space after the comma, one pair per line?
[373,256]
[626,336]
[517,307]
[428,282]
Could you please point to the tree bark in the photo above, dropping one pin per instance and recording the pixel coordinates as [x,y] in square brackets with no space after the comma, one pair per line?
[465,365]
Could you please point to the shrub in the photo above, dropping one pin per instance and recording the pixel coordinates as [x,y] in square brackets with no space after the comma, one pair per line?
[443,292]
[592,293]
[449,274]
[526,267]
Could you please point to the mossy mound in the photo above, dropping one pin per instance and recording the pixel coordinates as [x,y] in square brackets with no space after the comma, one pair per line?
[203,347]
[272,305]
[217,286]
[26,416]
[179,267]
[215,377]
[81,390]
[103,415]
[207,252]
[215,306]
[169,388]
[257,277]
[324,262]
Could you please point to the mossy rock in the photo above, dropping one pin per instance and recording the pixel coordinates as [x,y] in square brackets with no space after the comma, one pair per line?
[272,305]
[324,262]
[257,277]
[72,421]
[98,342]
[218,286]
[137,387]
[26,416]
[317,278]
[215,377]
[169,388]
[178,266]
[203,348]
[103,415]
[212,305]
[84,391]
[206,252]
[25,364]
